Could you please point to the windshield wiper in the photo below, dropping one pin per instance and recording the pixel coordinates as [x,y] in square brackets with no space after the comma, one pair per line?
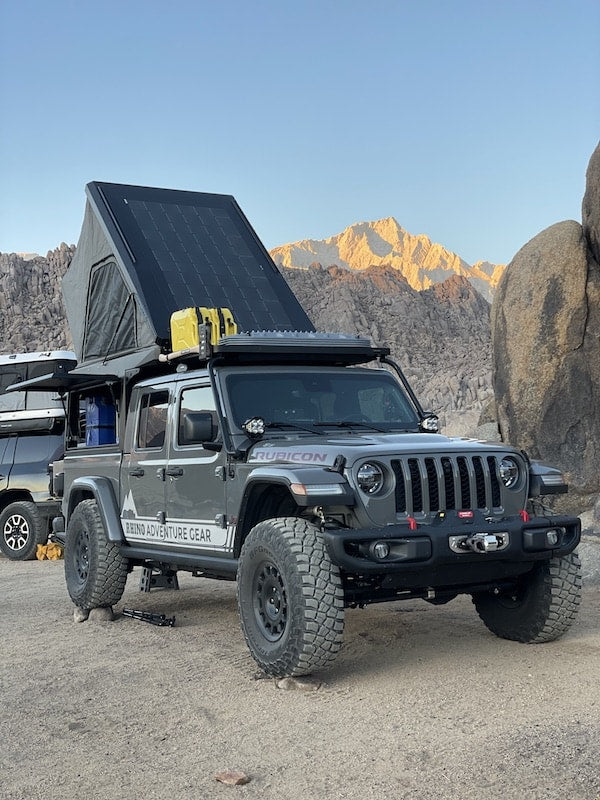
[350,424]
[294,425]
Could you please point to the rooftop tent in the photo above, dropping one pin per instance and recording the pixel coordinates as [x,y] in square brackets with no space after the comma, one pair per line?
[144,253]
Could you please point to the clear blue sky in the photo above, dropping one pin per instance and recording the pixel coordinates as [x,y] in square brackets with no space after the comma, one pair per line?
[470,121]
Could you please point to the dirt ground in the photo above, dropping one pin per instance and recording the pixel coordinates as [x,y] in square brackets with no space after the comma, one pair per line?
[423,702]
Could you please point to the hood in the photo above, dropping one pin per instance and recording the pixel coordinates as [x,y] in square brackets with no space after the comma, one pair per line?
[323,450]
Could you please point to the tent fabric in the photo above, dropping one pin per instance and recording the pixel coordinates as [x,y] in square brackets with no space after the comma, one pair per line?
[97,298]
[144,253]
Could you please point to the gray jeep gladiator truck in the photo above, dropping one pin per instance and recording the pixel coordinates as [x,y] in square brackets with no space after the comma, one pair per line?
[232,441]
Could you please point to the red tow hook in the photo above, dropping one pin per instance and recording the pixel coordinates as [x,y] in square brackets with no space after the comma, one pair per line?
[524,515]
[412,524]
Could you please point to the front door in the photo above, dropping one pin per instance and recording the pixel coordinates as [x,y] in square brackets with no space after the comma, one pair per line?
[196,479]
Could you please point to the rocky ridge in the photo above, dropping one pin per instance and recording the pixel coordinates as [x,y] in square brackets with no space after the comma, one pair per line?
[385,243]
[439,335]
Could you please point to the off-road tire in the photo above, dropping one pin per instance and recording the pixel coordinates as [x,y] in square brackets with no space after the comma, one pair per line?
[95,570]
[290,598]
[542,607]
[22,528]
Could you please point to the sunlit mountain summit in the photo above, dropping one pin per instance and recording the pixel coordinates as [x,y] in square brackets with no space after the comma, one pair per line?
[386,243]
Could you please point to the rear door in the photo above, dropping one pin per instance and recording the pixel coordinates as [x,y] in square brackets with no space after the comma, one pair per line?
[143,469]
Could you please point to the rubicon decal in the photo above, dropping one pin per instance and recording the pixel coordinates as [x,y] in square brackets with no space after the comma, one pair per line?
[304,457]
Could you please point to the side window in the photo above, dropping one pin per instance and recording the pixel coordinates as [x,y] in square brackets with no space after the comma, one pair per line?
[13,401]
[153,420]
[198,399]
[32,449]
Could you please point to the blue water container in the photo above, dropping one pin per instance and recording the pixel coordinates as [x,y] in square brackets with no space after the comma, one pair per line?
[100,422]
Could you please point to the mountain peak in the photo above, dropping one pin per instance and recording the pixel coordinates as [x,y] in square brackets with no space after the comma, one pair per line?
[385,242]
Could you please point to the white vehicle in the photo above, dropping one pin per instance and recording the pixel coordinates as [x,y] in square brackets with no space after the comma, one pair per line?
[31,438]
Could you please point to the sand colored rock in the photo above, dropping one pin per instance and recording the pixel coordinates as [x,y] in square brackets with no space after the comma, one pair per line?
[546,348]
[591,205]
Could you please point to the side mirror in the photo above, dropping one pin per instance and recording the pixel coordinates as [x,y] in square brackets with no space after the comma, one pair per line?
[198,427]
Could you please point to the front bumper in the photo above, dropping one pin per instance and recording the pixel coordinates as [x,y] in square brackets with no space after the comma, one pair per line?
[436,548]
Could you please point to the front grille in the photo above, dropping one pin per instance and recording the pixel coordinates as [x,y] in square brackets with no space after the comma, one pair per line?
[428,484]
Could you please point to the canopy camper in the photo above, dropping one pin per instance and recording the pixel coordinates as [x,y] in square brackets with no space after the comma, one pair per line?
[145,253]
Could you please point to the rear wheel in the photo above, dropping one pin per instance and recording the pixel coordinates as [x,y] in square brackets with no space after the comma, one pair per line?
[541,607]
[95,570]
[22,528]
[290,598]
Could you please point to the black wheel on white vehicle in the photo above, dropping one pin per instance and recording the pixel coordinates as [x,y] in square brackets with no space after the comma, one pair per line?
[95,570]
[22,528]
[290,598]
[540,607]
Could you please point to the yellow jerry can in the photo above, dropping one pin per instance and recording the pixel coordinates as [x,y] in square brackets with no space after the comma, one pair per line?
[185,326]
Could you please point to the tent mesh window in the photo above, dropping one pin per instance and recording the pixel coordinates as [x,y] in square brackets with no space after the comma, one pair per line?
[110,325]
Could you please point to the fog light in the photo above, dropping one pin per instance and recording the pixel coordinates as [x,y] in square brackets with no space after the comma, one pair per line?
[381,550]
[553,536]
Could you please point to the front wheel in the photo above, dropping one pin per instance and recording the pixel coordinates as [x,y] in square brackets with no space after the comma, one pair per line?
[95,570]
[542,605]
[22,528]
[290,598]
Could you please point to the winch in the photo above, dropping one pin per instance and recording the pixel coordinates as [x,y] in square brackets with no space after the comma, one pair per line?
[480,542]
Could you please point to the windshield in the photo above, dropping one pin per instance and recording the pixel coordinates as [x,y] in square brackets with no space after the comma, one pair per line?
[321,397]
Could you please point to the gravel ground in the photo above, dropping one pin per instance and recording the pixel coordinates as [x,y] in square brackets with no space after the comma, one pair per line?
[423,702]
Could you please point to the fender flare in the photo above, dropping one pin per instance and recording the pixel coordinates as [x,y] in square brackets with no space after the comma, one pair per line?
[262,476]
[285,476]
[103,493]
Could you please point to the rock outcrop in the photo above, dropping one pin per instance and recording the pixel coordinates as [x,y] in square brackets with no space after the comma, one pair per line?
[32,315]
[591,205]
[385,243]
[546,347]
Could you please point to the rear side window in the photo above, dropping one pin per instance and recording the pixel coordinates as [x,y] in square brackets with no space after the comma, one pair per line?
[152,423]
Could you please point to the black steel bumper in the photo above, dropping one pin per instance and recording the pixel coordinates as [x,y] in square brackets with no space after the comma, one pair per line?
[427,548]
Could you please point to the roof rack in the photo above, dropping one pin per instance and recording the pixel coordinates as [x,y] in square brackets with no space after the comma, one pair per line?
[298,347]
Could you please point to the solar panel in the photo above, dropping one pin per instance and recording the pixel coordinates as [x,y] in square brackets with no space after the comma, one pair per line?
[185,249]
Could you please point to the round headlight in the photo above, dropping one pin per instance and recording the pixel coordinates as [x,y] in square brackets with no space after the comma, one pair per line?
[370,478]
[509,472]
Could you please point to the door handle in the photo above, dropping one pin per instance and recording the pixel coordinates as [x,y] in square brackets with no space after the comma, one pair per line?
[136,473]
[175,472]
